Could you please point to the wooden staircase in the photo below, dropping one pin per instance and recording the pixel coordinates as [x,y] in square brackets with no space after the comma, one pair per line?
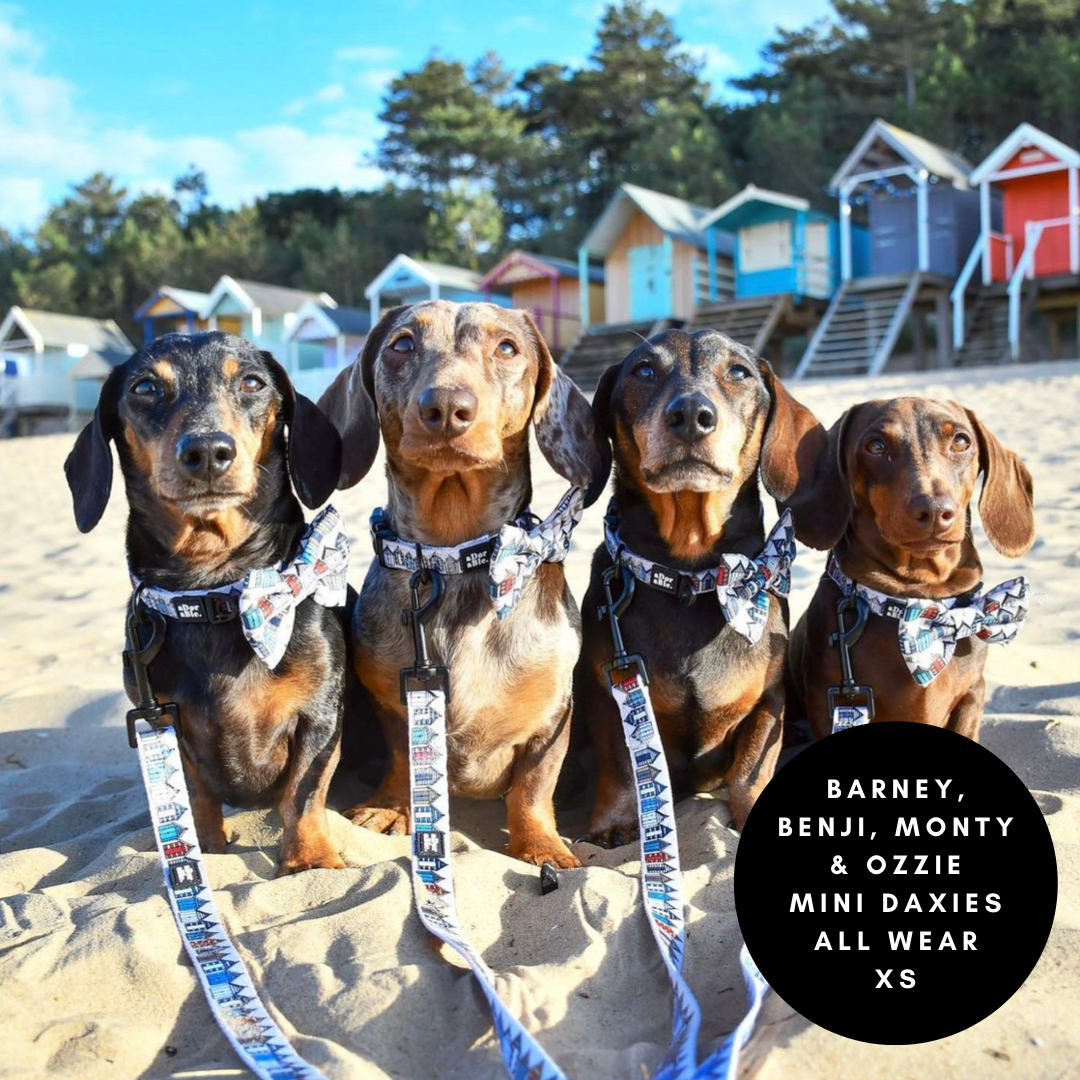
[600,346]
[986,335]
[749,322]
[860,327]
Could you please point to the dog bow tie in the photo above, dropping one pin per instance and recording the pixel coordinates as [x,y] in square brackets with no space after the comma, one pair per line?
[265,600]
[741,583]
[930,629]
[519,550]
[511,555]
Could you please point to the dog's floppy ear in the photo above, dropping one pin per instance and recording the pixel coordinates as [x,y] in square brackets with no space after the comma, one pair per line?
[565,429]
[794,440]
[1007,503]
[314,444]
[347,404]
[822,507]
[89,466]
[374,345]
[603,417]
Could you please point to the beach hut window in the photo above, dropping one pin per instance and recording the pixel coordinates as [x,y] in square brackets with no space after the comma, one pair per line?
[765,247]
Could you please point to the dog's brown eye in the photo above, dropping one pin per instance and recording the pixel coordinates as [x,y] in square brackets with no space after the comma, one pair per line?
[403,344]
[643,370]
[876,445]
[252,383]
[144,388]
[506,350]
[738,372]
[961,442]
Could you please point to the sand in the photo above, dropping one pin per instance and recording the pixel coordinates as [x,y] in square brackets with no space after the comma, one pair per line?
[95,982]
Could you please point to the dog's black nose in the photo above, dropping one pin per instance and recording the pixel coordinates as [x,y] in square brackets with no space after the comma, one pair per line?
[447,409]
[206,455]
[690,417]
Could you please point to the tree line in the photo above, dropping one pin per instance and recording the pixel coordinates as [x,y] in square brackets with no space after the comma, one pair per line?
[483,159]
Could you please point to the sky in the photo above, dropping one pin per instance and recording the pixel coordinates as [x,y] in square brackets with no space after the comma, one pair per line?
[272,95]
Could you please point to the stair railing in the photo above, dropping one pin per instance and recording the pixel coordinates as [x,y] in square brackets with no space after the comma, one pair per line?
[959,289]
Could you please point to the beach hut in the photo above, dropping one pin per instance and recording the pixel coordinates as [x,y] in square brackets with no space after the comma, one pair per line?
[658,266]
[1030,260]
[322,341]
[786,265]
[262,313]
[553,290]
[170,310]
[923,219]
[405,280]
[53,366]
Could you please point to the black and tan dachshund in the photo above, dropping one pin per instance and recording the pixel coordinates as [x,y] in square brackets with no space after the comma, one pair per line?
[693,419]
[199,423]
[458,387]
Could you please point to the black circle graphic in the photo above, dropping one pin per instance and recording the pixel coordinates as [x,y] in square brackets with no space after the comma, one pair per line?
[940,928]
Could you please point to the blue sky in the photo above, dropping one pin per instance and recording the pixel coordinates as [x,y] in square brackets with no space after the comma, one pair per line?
[272,94]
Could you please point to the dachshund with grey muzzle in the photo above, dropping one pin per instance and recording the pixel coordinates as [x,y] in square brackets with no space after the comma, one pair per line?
[457,389]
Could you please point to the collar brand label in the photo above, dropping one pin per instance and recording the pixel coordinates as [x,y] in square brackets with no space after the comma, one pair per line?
[660,578]
[190,610]
[473,557]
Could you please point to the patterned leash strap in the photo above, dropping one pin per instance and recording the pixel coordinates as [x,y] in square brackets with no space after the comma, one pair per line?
[232,997]
[425,691]
[152,730]
[661,875]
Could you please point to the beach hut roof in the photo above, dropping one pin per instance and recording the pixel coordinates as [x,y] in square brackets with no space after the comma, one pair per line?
[332,320]
[1024,135]
[914,149]
[271,300]
[78,335]
[184,299]
[441,274]
[677,218]
[525,266]
[750,196]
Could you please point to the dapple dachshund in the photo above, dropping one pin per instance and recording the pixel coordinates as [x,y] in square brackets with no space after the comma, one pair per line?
[200,424]
[693,418]
[892,500]
[457,389]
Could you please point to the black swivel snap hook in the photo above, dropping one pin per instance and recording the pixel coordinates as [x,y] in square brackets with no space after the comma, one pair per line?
[423,672]
[844,638]
[139,654]
[612,609]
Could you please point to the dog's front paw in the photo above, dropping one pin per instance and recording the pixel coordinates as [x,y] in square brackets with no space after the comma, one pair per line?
[613,836]
[311,851]
[393,820]
[548,849]
[329,861]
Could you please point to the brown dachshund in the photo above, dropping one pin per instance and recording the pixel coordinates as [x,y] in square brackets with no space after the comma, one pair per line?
[693,419]
[199,424]
[892,500]
[458,388]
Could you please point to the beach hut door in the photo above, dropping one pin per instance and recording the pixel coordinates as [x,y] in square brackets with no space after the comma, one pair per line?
[650,282]
[818,276]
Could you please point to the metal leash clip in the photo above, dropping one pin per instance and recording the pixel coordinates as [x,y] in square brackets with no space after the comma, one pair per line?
[612,610]
[850,704]
[138,657]
[423,670]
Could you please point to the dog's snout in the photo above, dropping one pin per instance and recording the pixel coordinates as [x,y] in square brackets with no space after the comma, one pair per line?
[206,455]
[690,417]
[447,410]
[932,512]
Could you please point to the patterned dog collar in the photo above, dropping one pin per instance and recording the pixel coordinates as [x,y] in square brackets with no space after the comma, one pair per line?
[265,599]
[929,629]
[742,584]
[511,555]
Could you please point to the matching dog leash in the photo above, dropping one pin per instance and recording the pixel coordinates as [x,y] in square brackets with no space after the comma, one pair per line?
[227,985]
[425,691]
[927,631]
[661,876]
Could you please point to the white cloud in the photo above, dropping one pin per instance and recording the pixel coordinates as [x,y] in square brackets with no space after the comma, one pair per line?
[719,65]
[331,93]
[47,143]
